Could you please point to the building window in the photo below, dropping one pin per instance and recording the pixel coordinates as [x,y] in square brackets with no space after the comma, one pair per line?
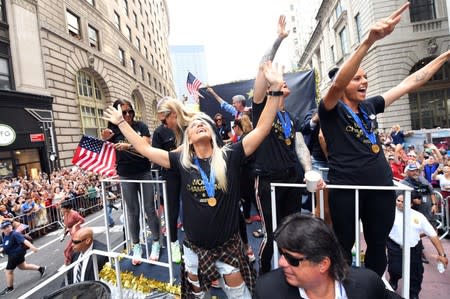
[5,77]
[140,7]
[148,20]
[133,65]
[92,104]
[135,20]
[138,44]
[422,10]
[122,56]
[91,2]
[143,30]
[142,72]
[129,33]
[125,6]
[333,55]
[3,12]
[152,59]
[344,41]
[338,10]
[155,83]
[93,37]
[137,105]
[73,24]
[116,20]
[358,27]
[146,53]
[149,79]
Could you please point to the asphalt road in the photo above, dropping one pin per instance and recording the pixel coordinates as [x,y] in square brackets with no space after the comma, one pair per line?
[50,254]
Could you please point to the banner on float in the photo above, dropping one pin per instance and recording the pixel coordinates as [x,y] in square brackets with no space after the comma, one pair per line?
[302,98]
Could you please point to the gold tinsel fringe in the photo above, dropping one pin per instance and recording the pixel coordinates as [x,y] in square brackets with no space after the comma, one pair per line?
[138,283]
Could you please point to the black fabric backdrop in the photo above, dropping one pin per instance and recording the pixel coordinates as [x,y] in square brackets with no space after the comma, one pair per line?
[301,100]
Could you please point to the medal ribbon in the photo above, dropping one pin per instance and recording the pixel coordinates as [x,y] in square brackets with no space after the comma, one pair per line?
[286,123]
[209,183]
[370,135]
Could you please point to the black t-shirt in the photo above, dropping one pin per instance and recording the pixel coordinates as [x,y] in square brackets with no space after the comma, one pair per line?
[130,163]
[164,138]
[223,131]
[274,154]
[205,226]
[350,157]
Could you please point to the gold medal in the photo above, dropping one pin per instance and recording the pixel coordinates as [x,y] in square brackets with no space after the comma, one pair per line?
[375,148]
[212,201]
[287,141]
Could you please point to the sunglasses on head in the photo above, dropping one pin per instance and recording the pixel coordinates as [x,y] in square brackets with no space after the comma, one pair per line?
[129,112]
[78,241]
[292,260]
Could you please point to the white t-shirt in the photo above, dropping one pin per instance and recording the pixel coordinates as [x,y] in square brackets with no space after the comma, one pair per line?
[443,182]
[419,225]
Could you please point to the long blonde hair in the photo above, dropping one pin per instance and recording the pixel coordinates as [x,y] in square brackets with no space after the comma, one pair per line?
[218,163]
[169,105]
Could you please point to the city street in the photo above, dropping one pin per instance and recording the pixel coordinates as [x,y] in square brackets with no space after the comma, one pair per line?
[51,255]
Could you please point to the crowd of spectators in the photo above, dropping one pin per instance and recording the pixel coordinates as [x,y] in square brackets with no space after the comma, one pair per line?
[33,204]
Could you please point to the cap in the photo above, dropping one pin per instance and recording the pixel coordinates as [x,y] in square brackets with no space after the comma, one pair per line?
[5,224]
[410,167]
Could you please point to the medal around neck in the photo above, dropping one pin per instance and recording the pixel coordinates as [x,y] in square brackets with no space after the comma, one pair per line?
[209,183]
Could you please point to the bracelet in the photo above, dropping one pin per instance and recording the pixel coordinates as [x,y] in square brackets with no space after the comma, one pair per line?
[118,124]
[272,93]
[443,255]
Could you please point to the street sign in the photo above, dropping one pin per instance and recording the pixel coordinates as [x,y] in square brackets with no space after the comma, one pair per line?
[7,135]
[37,137]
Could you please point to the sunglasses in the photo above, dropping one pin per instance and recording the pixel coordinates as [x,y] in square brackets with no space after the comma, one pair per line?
[217,119]
[292,260]
[78,241]
[129,112]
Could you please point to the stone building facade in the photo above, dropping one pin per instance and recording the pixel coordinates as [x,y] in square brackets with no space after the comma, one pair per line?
[85,54]
[422,34]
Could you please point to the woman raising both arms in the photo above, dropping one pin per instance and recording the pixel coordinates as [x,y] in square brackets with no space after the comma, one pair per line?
[210,186]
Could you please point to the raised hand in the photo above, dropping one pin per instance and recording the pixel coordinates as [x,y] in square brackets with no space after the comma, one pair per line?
[274,75]
[282,27]
[113,115]
[385,26]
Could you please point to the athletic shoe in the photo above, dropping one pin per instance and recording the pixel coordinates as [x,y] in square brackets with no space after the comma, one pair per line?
[7,290]
[42,271]
[137,253]
[154,255]
[250,254]
[176,252]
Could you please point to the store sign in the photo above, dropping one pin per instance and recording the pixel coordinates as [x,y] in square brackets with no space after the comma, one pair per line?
[37,137]
[7,135]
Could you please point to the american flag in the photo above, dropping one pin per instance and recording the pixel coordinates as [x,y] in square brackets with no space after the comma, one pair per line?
[193,84]
[95,155]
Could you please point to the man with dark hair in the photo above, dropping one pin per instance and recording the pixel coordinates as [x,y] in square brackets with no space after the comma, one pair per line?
[313,266]
[83,243]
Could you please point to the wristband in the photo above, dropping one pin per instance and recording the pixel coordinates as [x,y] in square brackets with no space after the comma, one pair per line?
[118,124]
[272,93]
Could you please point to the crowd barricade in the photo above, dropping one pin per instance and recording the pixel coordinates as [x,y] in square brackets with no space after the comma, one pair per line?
[117,246]
[442,213]
[406,220]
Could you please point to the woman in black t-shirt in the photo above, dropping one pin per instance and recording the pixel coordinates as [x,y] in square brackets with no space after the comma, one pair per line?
[133,166]
[349,125]
[210,191]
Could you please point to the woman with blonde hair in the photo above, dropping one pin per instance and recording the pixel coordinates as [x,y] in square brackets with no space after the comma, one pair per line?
[210,183]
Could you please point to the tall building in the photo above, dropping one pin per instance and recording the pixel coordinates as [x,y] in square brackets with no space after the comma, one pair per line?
[300,23]
[187,59]
[422,34]
[63,62]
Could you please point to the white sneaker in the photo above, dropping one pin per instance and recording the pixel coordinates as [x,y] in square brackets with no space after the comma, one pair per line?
[137,253]
[154,255]
[176,252]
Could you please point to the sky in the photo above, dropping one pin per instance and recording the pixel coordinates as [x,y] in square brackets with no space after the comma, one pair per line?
[235,34]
